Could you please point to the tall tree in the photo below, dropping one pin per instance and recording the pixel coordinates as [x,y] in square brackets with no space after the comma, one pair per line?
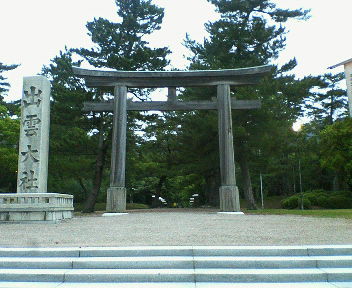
[9,134]
[251,33]
[71,144]
[325,106]
[336,146]
[4,85]
[122,46]
[330,102]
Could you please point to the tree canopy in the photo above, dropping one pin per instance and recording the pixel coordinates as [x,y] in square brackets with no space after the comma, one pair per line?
[4,85]
[174,155]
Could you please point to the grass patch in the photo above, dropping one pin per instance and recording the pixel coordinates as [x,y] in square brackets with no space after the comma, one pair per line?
[132,206]
[272,202]
[338,213]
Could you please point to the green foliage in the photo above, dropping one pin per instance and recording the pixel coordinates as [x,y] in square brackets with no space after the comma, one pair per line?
[4,85]
[251,33]
[336,150]
[339,202]
[290,203]
[133,206]
[330,102]
[295,202]
[70,158]
[9,135]
[121,45]
[67,185]
[340,213]
[81,143]
[160,168]
[320,198]
[176,155]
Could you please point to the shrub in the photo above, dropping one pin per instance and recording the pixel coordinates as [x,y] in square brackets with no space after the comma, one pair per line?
[294,202]
[320,198]
[312,197]
[339,202]
[290,202]
[323,201]
[306,203]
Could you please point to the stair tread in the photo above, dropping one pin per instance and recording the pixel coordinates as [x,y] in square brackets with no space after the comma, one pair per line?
[177,258]
[180,270]
[175,285]
[273,285]
[96,285]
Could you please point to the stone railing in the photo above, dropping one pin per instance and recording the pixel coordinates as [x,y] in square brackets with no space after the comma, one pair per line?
[36,200]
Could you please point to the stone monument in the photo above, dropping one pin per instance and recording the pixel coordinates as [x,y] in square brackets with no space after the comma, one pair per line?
[32,202]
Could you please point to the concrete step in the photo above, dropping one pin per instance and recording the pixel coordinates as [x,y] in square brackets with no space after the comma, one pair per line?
[278,262]
[196,266]
[318,250]
[178,275]
[39,252]
[176,285]
[179,251]
[269,285]
[180,262]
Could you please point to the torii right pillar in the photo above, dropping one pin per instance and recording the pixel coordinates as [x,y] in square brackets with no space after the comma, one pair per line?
[229,195]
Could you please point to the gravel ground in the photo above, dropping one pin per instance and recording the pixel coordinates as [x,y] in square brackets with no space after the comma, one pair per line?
[184,227]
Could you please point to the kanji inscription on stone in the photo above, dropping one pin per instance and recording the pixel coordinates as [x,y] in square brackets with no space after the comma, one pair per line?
[28,180]
[34,136]
[30,154]
[31,124]
[32,98]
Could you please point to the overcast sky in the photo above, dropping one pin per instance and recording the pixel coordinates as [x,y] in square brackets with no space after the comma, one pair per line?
[34,31]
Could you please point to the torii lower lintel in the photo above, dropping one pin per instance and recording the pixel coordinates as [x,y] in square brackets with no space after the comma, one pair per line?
[170,105]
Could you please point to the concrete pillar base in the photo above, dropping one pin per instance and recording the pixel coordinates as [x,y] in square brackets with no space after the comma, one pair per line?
[116,199]
[229,199]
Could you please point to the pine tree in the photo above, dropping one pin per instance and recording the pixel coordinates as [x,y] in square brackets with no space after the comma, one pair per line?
[330,102]
[251,33]
[71,141]
[4,85]
[121,46]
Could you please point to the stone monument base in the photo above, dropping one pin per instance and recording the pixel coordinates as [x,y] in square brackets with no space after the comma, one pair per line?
[24,207]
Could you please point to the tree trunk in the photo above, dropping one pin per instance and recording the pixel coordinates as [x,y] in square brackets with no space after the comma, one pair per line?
[156,201]
[336,183]
[212,190]
[85,190]
[247,182]
[98,174]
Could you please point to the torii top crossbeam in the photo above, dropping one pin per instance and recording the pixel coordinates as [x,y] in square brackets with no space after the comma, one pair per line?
[149,79]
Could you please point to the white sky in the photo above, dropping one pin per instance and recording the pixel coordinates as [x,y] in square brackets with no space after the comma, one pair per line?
[34,31]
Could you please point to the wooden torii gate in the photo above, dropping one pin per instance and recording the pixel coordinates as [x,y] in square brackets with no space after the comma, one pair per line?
[121,80]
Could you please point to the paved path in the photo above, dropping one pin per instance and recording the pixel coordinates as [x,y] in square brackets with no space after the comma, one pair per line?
[179,227]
